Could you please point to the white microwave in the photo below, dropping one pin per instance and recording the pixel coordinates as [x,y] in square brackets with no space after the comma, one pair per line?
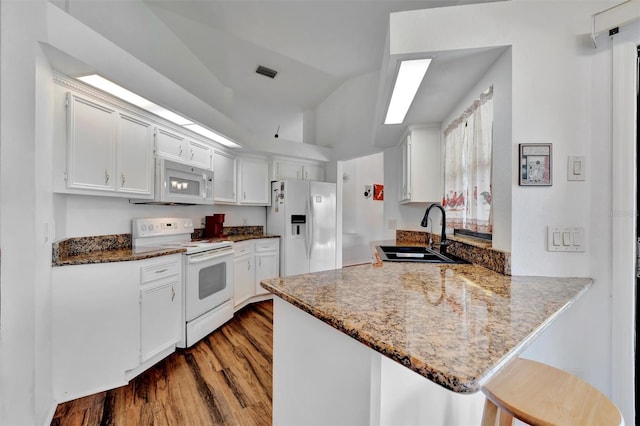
[181,184]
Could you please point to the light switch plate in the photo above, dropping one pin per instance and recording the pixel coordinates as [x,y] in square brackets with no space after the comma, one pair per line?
[565,238]
[576,168]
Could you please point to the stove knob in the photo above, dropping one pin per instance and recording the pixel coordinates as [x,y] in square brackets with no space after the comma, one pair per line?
[150,227]
[143,227]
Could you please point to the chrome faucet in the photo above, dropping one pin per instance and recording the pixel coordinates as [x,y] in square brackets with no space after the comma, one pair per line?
[425,222]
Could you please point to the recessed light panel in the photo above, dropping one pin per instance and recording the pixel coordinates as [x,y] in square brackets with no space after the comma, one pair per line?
[410,75]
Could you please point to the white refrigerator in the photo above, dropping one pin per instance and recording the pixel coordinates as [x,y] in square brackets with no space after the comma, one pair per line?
[303,213]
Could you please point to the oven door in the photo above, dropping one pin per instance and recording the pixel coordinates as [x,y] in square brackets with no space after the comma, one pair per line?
[208,281]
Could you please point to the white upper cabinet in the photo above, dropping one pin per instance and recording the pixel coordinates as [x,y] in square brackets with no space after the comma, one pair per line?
[170,145]
[312,172]
[175,146]
[108,151]
[253,183]
[283,170]
[224,177]
[91,160]
[199,155]
[134,163]
[420,169]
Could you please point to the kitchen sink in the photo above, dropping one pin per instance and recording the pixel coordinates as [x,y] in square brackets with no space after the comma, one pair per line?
[415,254]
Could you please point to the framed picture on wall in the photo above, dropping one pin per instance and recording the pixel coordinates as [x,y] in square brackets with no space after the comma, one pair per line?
[535,164]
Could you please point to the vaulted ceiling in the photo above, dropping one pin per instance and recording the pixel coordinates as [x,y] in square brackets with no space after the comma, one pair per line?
[212,47]
[315,45]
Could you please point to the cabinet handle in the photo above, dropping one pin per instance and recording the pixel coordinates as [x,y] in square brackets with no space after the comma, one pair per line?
[173,293]
[180,151]
[248,265]
[260,262]
[192,153]
[106,176]
[306,175]
[123,179]
[159,271]
[244,195]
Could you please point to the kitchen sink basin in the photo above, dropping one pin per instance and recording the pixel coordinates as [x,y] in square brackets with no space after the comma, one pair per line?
[415,254]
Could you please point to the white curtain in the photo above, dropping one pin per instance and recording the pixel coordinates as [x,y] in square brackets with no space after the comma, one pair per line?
[468,142]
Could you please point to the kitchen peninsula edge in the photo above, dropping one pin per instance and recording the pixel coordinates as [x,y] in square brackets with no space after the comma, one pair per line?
[455,325]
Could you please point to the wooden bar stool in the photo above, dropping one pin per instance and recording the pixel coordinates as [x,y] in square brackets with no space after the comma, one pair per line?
[539,394]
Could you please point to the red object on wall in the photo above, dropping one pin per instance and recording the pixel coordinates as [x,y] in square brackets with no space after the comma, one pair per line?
[378,192]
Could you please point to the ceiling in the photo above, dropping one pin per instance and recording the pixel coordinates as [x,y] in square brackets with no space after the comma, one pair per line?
[316,46]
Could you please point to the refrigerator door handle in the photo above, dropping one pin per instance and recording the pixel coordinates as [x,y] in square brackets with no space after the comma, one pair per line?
[310,225]
[307,241]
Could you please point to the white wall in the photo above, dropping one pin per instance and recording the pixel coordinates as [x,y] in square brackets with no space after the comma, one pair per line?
[25,188]
[561,94]
[361,217]
[82,215]
[498,75]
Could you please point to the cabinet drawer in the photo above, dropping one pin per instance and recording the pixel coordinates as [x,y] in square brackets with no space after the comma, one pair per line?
[268,245]
[159,270]
[242,248]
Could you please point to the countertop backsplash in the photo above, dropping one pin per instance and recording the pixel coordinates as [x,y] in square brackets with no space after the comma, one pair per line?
[477,252]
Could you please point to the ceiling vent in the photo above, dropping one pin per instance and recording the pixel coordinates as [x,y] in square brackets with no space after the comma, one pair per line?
[267,72]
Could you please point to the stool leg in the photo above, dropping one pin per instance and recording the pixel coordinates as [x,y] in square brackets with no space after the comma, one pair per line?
[489,413]
[506,419]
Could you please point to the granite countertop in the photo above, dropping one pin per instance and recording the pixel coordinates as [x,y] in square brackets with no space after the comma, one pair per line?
[453,324]
[117,247]
[238,238]
[113,255]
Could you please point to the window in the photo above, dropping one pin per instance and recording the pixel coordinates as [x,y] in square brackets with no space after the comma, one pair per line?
[468,143]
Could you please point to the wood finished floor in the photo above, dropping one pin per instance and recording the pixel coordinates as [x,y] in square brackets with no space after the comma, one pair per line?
[225,379]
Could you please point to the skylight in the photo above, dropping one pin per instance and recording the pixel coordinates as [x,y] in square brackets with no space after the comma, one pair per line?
[128,96]
[408,81]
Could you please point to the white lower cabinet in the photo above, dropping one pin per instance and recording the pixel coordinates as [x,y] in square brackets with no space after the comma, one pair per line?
[160,302]
[244,273]
[105,325]
[267,262]
[255,260]
[95,331]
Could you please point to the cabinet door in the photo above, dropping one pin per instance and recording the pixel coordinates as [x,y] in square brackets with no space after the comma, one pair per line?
[313,173]
[159,317]
[405,169]
[224,177]
[267,266]
[244,279]
[254,182]
[135,156]
[199,155]
[287,170]
[170,145]
[91,144]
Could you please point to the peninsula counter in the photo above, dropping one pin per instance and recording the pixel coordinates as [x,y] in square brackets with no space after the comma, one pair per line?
[447,327]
